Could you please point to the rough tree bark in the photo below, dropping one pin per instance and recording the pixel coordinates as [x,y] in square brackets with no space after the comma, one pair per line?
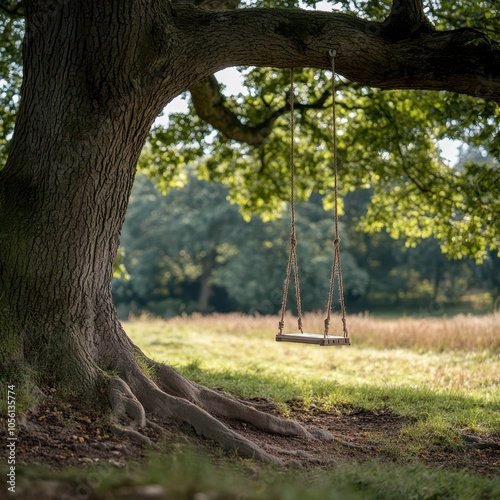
[96,74]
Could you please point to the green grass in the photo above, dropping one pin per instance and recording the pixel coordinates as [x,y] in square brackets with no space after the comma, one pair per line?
[188,474]
[191,473]
[404,365]
[441,389]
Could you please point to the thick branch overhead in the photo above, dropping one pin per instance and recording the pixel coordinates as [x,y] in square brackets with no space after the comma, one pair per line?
[463,60]
[407,19]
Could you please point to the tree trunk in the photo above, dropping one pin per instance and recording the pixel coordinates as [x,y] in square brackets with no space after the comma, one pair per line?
[437,277]
[88,102]
[208,264]
[64,193]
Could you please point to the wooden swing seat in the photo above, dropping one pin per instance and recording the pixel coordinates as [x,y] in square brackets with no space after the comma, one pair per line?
[313,338]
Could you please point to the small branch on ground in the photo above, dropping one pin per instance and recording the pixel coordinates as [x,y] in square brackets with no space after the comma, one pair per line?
[476,443]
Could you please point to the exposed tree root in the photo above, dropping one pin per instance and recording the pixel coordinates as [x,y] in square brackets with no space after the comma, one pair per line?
[124,404]
[157,428]
[224,406]
[164,405]
[132,434]
[268,405]
[172,396]
[126,407]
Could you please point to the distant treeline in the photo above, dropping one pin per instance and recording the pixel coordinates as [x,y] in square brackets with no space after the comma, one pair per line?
[191,250]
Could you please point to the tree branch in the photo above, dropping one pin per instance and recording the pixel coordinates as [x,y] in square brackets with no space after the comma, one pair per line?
[208,102]
[406,20]
[462,60]
[210,4]
[12,9]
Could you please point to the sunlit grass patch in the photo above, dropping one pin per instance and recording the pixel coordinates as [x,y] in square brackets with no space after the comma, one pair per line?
[436,392]
[412,373]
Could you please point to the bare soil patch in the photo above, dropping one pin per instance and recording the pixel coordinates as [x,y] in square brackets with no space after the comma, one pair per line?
[365,434]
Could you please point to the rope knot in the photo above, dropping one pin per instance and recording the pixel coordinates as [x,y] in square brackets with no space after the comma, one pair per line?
[293,240]
[327,325]
[299,324]
[336,241]
[281,325]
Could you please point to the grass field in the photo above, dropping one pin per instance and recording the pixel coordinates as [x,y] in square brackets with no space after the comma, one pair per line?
[442,376]
[445,373]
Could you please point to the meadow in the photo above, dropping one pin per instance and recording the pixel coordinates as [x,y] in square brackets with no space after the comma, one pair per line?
[441,374]
[449,359]
[408,392]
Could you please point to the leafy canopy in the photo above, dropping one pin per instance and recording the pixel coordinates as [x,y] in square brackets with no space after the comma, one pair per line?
[387,142]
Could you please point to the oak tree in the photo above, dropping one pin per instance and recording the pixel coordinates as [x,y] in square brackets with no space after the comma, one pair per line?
[96,74]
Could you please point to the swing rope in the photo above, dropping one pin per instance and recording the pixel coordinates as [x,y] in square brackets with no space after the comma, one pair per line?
[292,258]
[336,266]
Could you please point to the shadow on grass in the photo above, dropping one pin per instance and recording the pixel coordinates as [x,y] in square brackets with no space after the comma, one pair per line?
[445,408]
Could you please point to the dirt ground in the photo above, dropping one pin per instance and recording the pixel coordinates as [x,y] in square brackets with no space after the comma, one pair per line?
[60,435]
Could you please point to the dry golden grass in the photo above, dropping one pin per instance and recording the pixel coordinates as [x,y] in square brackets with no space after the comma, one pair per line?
[461,332]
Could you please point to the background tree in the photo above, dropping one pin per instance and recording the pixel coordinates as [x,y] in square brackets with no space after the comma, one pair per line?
[191,250]
[96,74]
[166,238]
[173,244]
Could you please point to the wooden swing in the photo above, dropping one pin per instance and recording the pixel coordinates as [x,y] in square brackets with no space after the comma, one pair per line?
[322,339]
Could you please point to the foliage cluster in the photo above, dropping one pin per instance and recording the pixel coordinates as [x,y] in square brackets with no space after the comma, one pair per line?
[387,141]
[387,145]
[10,79]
